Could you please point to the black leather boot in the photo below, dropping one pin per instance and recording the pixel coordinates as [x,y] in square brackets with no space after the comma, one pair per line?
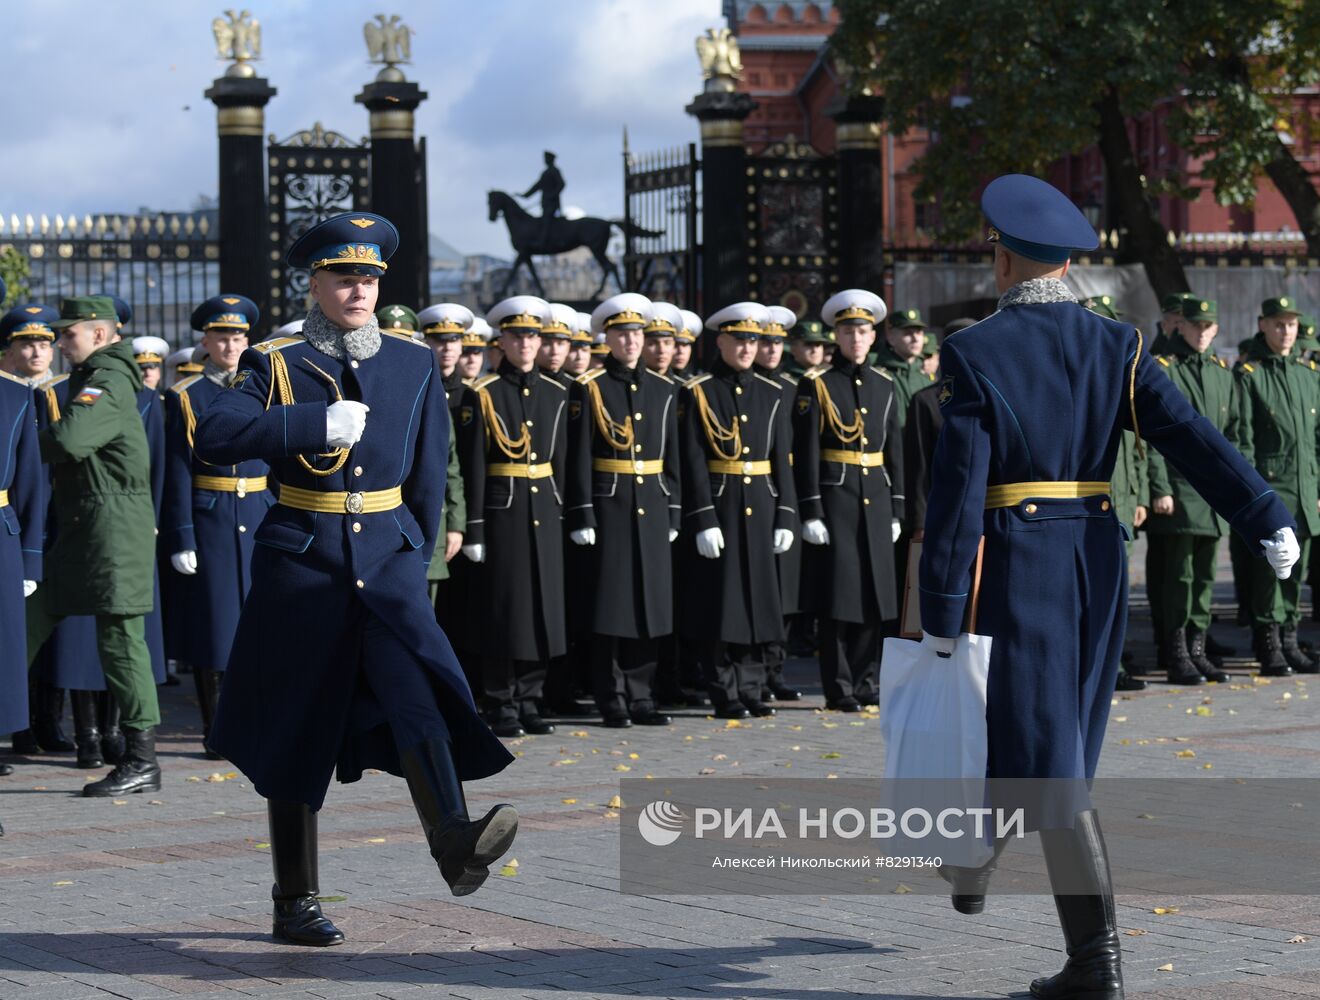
[463,849]
[25,740]
[112,737]
[970,884]
[86,733]
[1179,664]
[297,917]
[47,714]
[1202,662]
[1077,861]
[208,696]
[137,772]
[1269,652]
[1293,654]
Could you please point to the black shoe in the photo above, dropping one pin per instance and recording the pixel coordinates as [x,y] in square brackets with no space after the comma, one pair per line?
[6,770]
[1126,682]
[537,726]
[846,704]
[25,744]
[733,710]
[137,772]
[870,698]
[297,914]
[767,694]
[1178,662]
[1204,666]
[650,717]
[1269,653]
[86,733]
[783,692]
[507,727]
[1293,654]
[615,720]
[760,709]
[969,884]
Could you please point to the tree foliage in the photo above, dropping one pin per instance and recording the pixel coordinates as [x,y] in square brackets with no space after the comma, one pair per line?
[14,270]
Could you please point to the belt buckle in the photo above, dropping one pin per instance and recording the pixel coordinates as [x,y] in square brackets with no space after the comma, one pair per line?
[638,466]
[354,503]
[747,468]
[863,458]
[240,487]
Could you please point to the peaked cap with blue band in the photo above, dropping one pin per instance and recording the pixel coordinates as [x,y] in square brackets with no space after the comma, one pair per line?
[32,321]
[123,311]
[226,312]
[352,243]
[1036,220]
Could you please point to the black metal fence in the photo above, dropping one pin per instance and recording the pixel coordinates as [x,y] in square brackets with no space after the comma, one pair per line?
[662,193]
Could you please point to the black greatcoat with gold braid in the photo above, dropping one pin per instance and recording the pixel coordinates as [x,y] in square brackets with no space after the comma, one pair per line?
[456,604]
[789,563]
[513,446]
[737,477]
[848,461]
[631,416]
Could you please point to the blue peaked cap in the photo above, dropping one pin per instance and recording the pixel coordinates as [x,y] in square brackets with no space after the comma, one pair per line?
[1035,219]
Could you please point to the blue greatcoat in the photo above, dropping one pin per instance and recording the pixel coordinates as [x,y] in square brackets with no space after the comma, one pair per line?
[22,522]
[218,525]
[295,703]
[1040,392]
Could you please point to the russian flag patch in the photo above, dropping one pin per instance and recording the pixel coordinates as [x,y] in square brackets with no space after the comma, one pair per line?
[88,396]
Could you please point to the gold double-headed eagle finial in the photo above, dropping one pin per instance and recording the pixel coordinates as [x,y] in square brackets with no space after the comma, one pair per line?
[237,37]
[389,41]
[721,60]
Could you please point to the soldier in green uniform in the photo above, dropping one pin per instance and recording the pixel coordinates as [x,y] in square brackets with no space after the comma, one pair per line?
[102,561]
[901,356]
[398,319]
[1280,434]
[1167,329]
[1183,531]
[806,347]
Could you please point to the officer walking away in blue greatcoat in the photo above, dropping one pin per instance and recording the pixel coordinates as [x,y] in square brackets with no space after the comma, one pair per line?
[1035,399]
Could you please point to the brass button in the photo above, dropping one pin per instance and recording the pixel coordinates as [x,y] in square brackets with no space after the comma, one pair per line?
[536,489]
[747,511]
[866,472]
[866,501]
[532,456]
[536,524]
[361,584]
[527,423]
[1104,505]
[637,447]
[864,410]
[1030,508]
[633,388]
[527,392]
[746,450]
[747,480]
[242,529]
[641,512]
[357,471]
[738,389]
[866,440]
[352,364]
[742,417]
[240,487]
[859,381]
[357,526]
[641,479]
[637,416]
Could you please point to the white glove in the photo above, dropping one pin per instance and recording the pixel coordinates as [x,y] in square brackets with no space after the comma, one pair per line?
[476,552]
[710,542]
[583,536]
[783,540]
[815,532]
[29,587]
[1282,552]
[185,562]
[898,529]
[938,644]
[345,421]
[673,533]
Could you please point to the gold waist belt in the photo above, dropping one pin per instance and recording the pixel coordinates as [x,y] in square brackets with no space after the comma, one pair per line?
[376,502]
[4,498]
[627,467]
[862,458]
[733,467]
[520,470]
[1012,494]
[229,484]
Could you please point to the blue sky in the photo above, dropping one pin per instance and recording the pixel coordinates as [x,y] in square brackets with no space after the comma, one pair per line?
[111,115]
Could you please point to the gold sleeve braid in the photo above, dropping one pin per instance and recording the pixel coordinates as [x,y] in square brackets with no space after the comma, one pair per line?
[716,434]
[517,450]
[53,405]
[619,436]
[281,386]
[829,413]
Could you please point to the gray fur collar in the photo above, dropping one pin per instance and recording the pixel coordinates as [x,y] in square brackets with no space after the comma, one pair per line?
[214,373]
[337,342]
[1035,291]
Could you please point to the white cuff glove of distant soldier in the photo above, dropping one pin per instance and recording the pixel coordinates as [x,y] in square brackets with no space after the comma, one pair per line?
[1282,552]
[345,421]
[783,540]
[476,552]
[583,536]
[898,529]
[710,542]
[29,587]
[937,644]
[815,532]
[185,562]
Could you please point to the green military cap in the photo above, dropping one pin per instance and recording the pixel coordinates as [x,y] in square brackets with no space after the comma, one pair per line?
[1306,338]
[810,331]
[81,308]
[1200,310]
[907,319]
[1173,303]
[397,319]
[1102,305]
[1277,307]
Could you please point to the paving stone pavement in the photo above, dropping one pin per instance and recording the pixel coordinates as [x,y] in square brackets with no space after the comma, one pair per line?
[166,894]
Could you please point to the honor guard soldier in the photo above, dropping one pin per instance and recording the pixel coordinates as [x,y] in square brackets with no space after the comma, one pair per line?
[338,663]
[513,443]
[398,319]
[1023,462]
[739,512]
[102,563]
[662,326]
[556,340]
[579,347]
[901,356]
[599,349]
[848,458]
[683,367]
[472,359]
[211,512]
[1279,433]
[770,364]
[445,326]
[628,507]
[150,353]
[27,339]
[1183,530]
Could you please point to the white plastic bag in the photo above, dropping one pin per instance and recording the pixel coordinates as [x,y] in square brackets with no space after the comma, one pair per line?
[932,719]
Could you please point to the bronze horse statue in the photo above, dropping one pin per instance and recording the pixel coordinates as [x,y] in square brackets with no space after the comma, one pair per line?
[530,235]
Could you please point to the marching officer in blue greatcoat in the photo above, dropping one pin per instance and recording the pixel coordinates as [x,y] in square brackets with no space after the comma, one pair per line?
[1034,401]
[338,662]
[211,511]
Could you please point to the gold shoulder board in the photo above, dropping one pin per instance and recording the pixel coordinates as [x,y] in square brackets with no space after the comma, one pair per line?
[278,344]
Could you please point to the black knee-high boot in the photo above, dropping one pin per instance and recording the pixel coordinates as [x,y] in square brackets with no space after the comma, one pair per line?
[1077,861]
[47,715]
[463,849]
[970,884]
[86,729]
[113,745]
[208,696]
[298,918]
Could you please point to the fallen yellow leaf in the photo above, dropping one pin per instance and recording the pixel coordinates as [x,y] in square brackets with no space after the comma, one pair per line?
[194,778]
[832,755]
[375,840]
[902,890]
[622,767]
[62,883]
[1166,967]
[262,847]
[1162,910]
[634,756]
[1185,754]
[1298,939]
[509,871]
[732,724]
[1136,932]
[569,802]
[615,802]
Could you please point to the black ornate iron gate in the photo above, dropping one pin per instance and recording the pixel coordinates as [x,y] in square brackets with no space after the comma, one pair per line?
[662,194]
[313,175]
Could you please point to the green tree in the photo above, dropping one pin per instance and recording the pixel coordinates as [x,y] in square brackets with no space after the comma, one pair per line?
[14,269]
